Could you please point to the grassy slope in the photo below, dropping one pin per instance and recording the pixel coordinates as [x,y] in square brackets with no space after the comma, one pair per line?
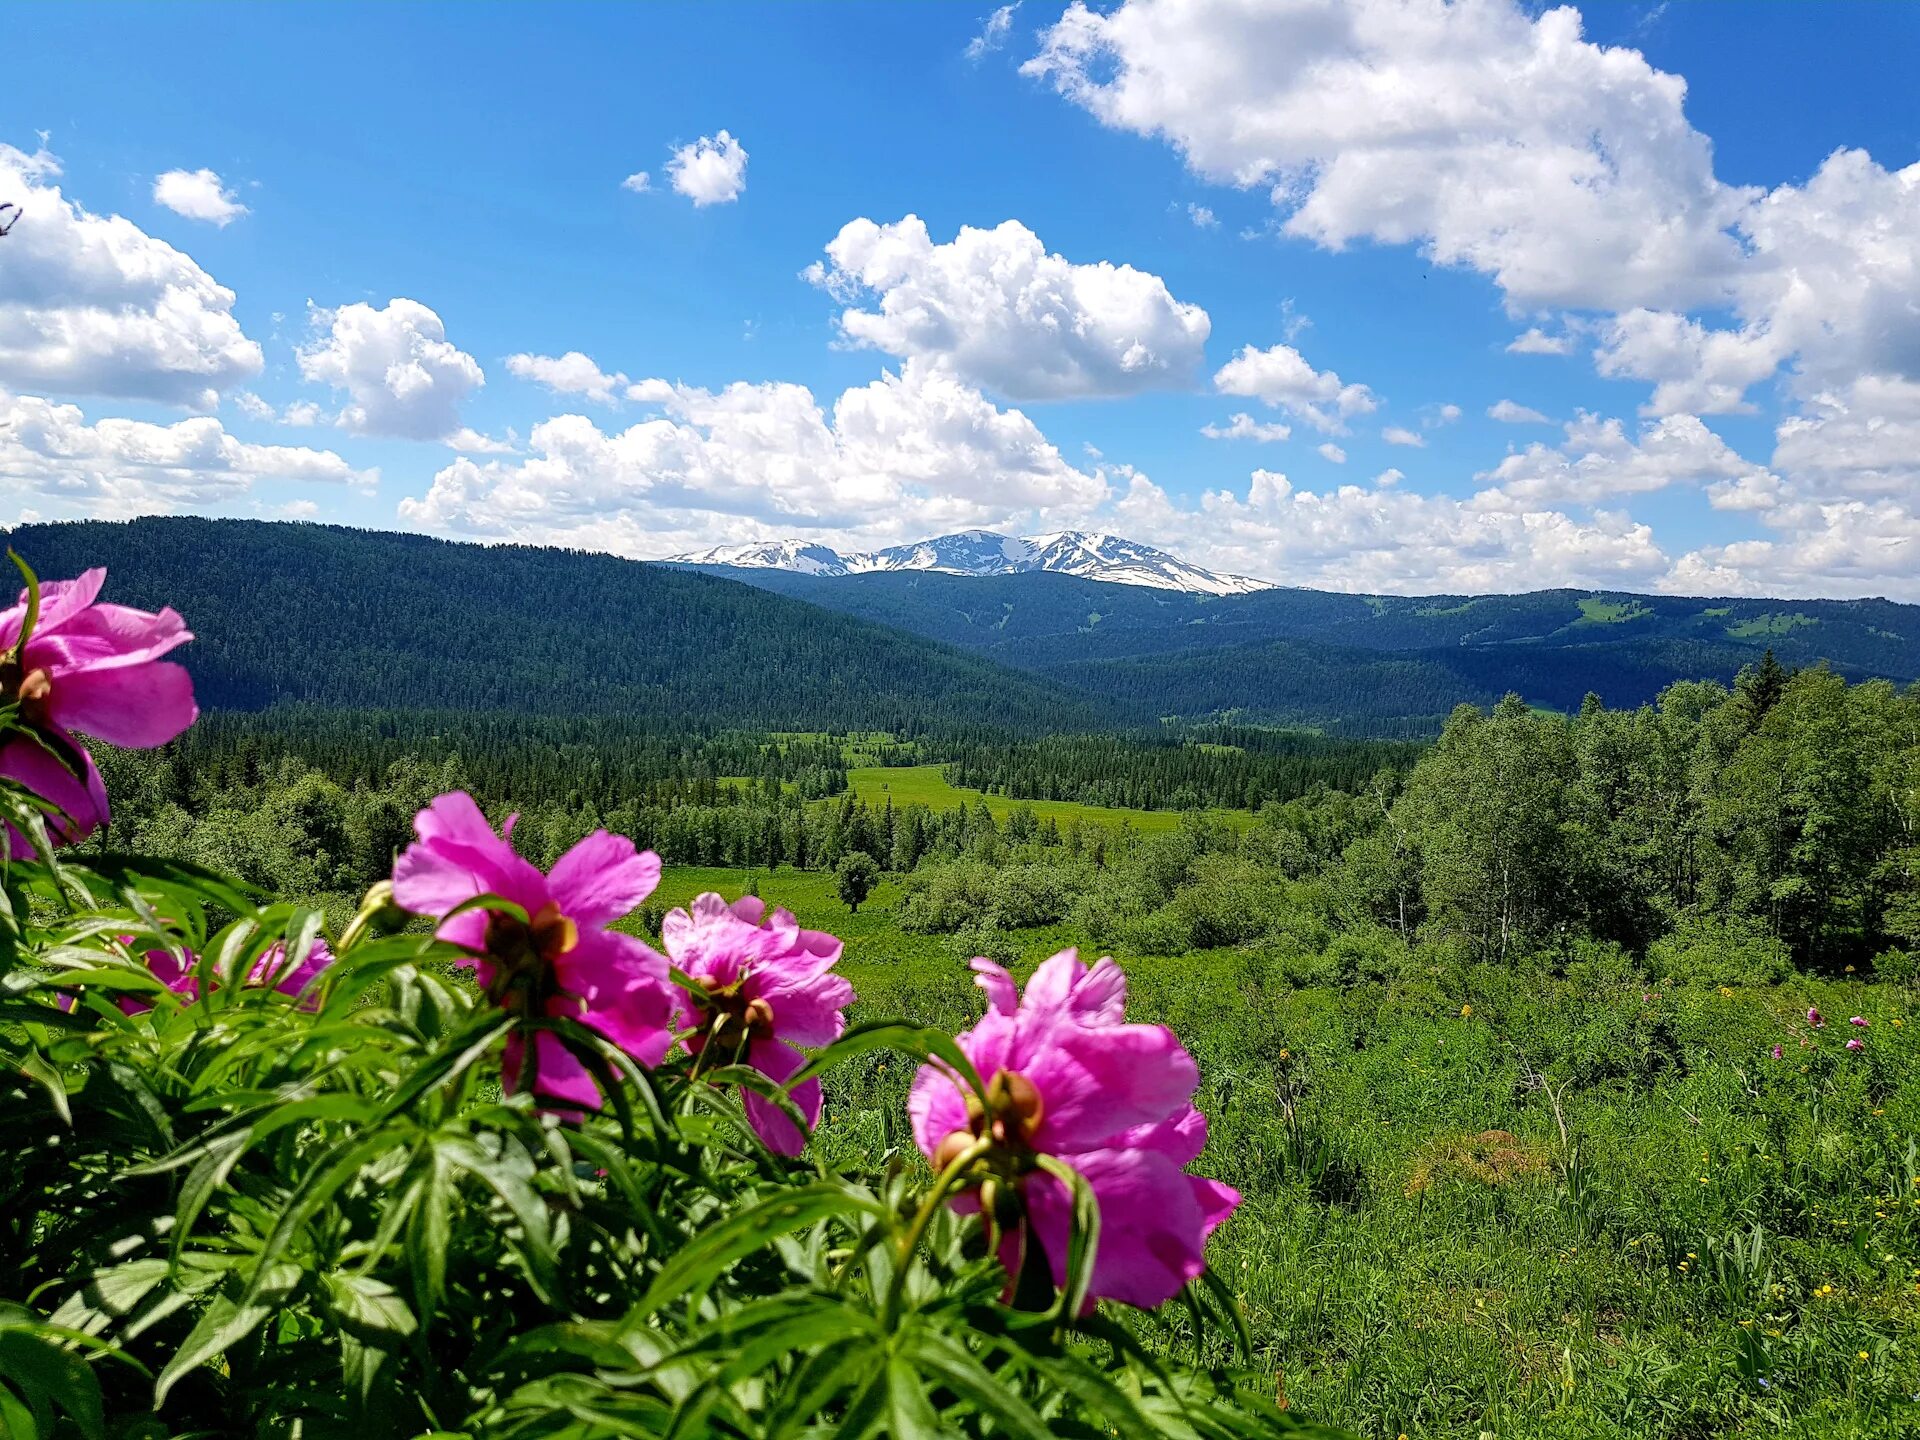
[927,785]
[1507,1306]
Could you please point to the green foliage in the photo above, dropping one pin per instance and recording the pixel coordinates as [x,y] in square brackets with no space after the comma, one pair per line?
[243,1213]
[856,875]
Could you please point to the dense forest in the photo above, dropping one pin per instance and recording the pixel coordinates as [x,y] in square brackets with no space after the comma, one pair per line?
[321,615]
[1219,766]
[1362,664]
[1740,829]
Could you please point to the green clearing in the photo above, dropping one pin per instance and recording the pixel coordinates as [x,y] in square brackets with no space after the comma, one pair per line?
[1420,1254]
[1596,611]
[1772,623]
[928,785]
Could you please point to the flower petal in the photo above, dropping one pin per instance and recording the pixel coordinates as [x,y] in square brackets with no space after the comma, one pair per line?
[559,1074]
[1002,994]
[136,705]
[777,1062]
[82,798]
[603,878]
[619,986]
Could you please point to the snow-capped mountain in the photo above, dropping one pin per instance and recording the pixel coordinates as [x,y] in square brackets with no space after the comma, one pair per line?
[983,552]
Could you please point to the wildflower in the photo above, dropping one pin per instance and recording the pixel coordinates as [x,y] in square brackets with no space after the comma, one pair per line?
[1465,1011]
[561,961]
[177,972]
[1068,1078]
[1776,1052]
[764,984]
[92,668]
[1864,1356]
[1856,1044]
[1859,1020]
[1815,1019]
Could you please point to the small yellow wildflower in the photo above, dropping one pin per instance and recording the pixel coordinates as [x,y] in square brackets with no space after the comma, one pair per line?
[1465,1011]
[1864,1355]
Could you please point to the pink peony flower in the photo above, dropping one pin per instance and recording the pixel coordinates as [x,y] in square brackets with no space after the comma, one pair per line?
[1069,1078]
[176,972]
[1859,1020]
[767,988]
[1776,1052]
[562,962]
[91,668]
[1815,1018]
[1856,1043]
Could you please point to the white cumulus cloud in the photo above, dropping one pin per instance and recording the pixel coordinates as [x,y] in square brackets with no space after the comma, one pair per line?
[1599,463]
[1490,136]
[1400,435]
[570,374]
[93,305]
[1331,451]
[1003,313]
[904,457]
[1511,412]
[113,467]
[1281,377]
[710,171]
[1243,426]
[401,375]
[198,195]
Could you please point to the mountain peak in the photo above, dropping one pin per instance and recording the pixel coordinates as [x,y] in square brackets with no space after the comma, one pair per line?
[1088,554]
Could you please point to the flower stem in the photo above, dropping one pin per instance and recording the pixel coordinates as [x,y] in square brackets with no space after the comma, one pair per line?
[943,1185]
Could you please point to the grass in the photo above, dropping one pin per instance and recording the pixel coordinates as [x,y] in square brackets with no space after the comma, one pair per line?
[1595,611]
[1424,1250]
[927,785]
[1772,623]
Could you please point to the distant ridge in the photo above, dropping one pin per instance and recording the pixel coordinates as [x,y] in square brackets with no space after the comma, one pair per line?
[1089,555]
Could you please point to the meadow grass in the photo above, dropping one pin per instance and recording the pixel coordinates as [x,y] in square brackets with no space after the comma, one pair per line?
[928,785]
[1487,1202]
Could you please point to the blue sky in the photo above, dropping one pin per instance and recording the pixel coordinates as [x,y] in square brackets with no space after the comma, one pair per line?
[1335,221]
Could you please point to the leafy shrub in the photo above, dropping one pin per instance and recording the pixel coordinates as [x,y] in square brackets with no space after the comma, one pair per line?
[1714,950]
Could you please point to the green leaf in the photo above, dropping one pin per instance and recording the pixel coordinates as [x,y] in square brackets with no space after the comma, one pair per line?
[129,872]
[48,1375]
[695,1267]
[961,1372]
[225,1323]
[38,1068]
[818,1382]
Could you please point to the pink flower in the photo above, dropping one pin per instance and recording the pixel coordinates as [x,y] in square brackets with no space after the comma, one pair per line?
[176,972]
[1815,1018]
[562,962]
[1856,1044]
[1776,1052]
[1068,1077]
[1859,1020]
[91,668]
[766,985]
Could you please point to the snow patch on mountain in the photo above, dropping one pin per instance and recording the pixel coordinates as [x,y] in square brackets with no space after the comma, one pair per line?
[986,552]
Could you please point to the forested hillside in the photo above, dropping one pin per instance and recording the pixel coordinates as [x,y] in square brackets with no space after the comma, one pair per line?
[1366,663]
[326,616]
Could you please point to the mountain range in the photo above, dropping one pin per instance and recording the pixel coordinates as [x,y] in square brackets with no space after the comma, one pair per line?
[353,621]
[1106,558]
